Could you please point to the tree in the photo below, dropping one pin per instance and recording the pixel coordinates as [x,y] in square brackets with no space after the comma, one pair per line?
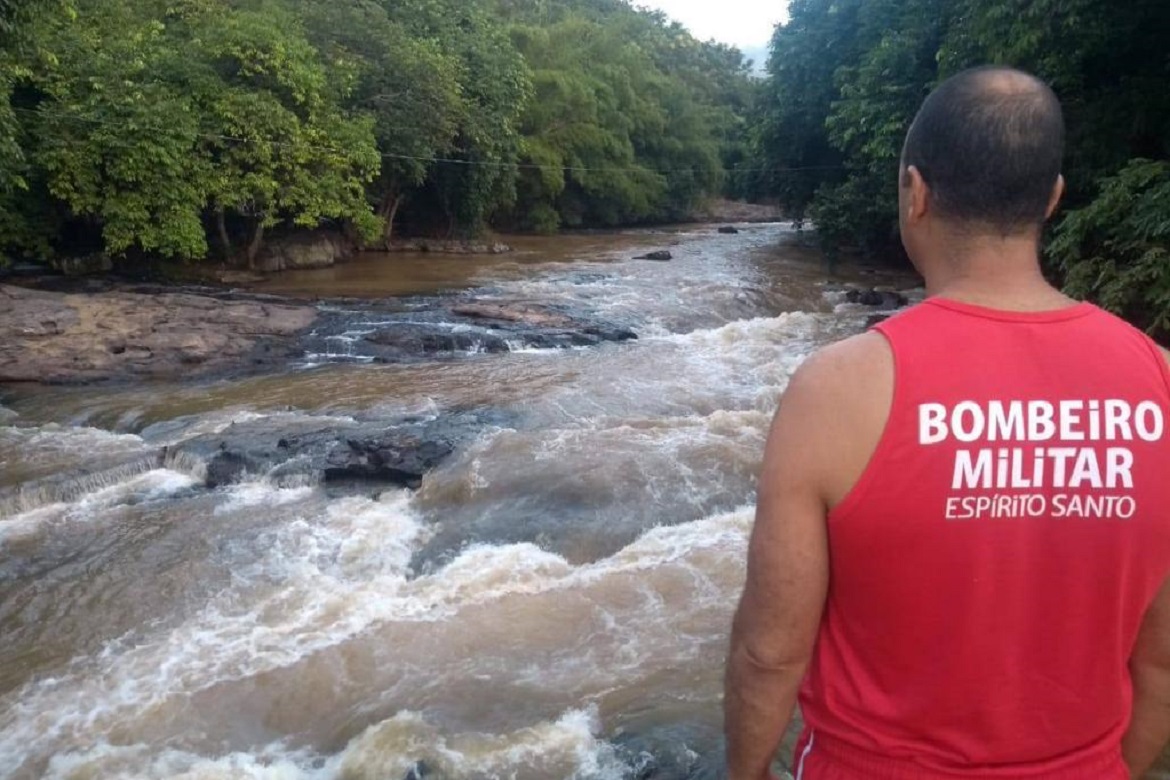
[495,87]
[846,77]
[279,142]
[1116,250]
[410,87]
[146,117]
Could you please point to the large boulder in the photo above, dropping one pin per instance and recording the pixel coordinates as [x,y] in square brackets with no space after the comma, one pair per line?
[320,249]
[392,453]
[400,457]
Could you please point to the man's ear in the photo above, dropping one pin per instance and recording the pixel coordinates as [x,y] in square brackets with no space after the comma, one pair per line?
[1054,199]
[917,196]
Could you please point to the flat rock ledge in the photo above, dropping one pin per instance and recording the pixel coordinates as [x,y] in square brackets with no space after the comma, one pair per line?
[55,337]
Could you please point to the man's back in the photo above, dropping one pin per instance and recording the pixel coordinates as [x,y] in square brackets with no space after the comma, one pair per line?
[992,565]
[962,531]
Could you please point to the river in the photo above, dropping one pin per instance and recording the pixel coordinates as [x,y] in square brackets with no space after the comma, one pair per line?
[553,602]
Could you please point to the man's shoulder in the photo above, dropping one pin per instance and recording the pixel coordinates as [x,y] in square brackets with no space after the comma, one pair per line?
[836,408]
[847,366]
[845,383]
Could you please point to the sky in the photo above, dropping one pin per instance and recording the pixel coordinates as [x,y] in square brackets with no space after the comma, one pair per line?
[744,23]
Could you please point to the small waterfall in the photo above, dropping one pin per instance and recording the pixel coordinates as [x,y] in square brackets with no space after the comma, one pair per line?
[70,487]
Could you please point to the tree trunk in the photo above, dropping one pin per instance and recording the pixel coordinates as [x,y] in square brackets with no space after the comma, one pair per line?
[255,244]
[388,212]
[225,242]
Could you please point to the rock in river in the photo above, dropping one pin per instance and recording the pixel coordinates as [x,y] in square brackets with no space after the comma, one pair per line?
[394,453]
[75,338]
[883,298]
[409,339]
[526,313]
[661,256]
[320,249]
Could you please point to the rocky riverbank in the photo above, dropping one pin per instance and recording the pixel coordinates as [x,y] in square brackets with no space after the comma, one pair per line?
[76,338]
[144,332]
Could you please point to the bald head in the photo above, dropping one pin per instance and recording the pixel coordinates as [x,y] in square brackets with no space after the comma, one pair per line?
[989,142]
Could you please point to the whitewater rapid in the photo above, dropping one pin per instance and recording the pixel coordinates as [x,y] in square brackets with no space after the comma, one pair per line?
[553,602]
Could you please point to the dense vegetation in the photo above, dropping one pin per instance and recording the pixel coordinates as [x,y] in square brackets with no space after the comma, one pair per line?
[846,77]
[195,128]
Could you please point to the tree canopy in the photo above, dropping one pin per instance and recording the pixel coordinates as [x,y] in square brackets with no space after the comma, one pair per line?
[845,78]
[194,128]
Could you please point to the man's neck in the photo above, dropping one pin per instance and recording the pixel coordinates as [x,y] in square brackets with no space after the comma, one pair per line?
[1001,273]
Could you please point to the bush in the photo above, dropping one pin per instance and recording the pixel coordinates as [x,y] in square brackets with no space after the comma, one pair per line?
[1116,250]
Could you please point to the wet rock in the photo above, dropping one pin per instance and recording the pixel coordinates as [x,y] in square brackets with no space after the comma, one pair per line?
[419,771]
[319,249]
[728,230]
[234,276]
[414,339]
[652,755]
[228,468]
[660,256]
[448,247]
[398,453]
[878,298]
[23,268]
[87,265]
[400,457]
[78,338]
[528,314]
[589,336]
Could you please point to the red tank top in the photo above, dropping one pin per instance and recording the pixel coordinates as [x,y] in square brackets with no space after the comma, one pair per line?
[991,567]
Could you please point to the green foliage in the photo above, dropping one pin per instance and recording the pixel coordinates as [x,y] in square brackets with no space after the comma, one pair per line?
[410,85]
[1116,250]
[115,146]
[847,76]
[189,128]
[632,119]
[278,144]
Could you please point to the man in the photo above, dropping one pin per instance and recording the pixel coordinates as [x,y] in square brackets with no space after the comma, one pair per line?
[962,541]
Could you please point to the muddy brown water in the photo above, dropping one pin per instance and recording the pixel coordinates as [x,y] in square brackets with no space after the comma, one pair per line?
[552,603]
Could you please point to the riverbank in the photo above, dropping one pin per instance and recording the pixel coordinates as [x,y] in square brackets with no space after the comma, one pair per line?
[141,333]
[378,308]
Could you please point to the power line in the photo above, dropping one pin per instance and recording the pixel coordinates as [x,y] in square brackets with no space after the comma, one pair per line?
[450,160]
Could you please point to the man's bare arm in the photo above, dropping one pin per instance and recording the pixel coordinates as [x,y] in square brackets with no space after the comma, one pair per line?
[816,449]
[1149,729]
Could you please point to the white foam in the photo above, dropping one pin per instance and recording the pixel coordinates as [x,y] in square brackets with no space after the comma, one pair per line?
[336,575]
[136,762]
[321,583]
[149,485]
[567,747]
[261,493]
[216,422]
